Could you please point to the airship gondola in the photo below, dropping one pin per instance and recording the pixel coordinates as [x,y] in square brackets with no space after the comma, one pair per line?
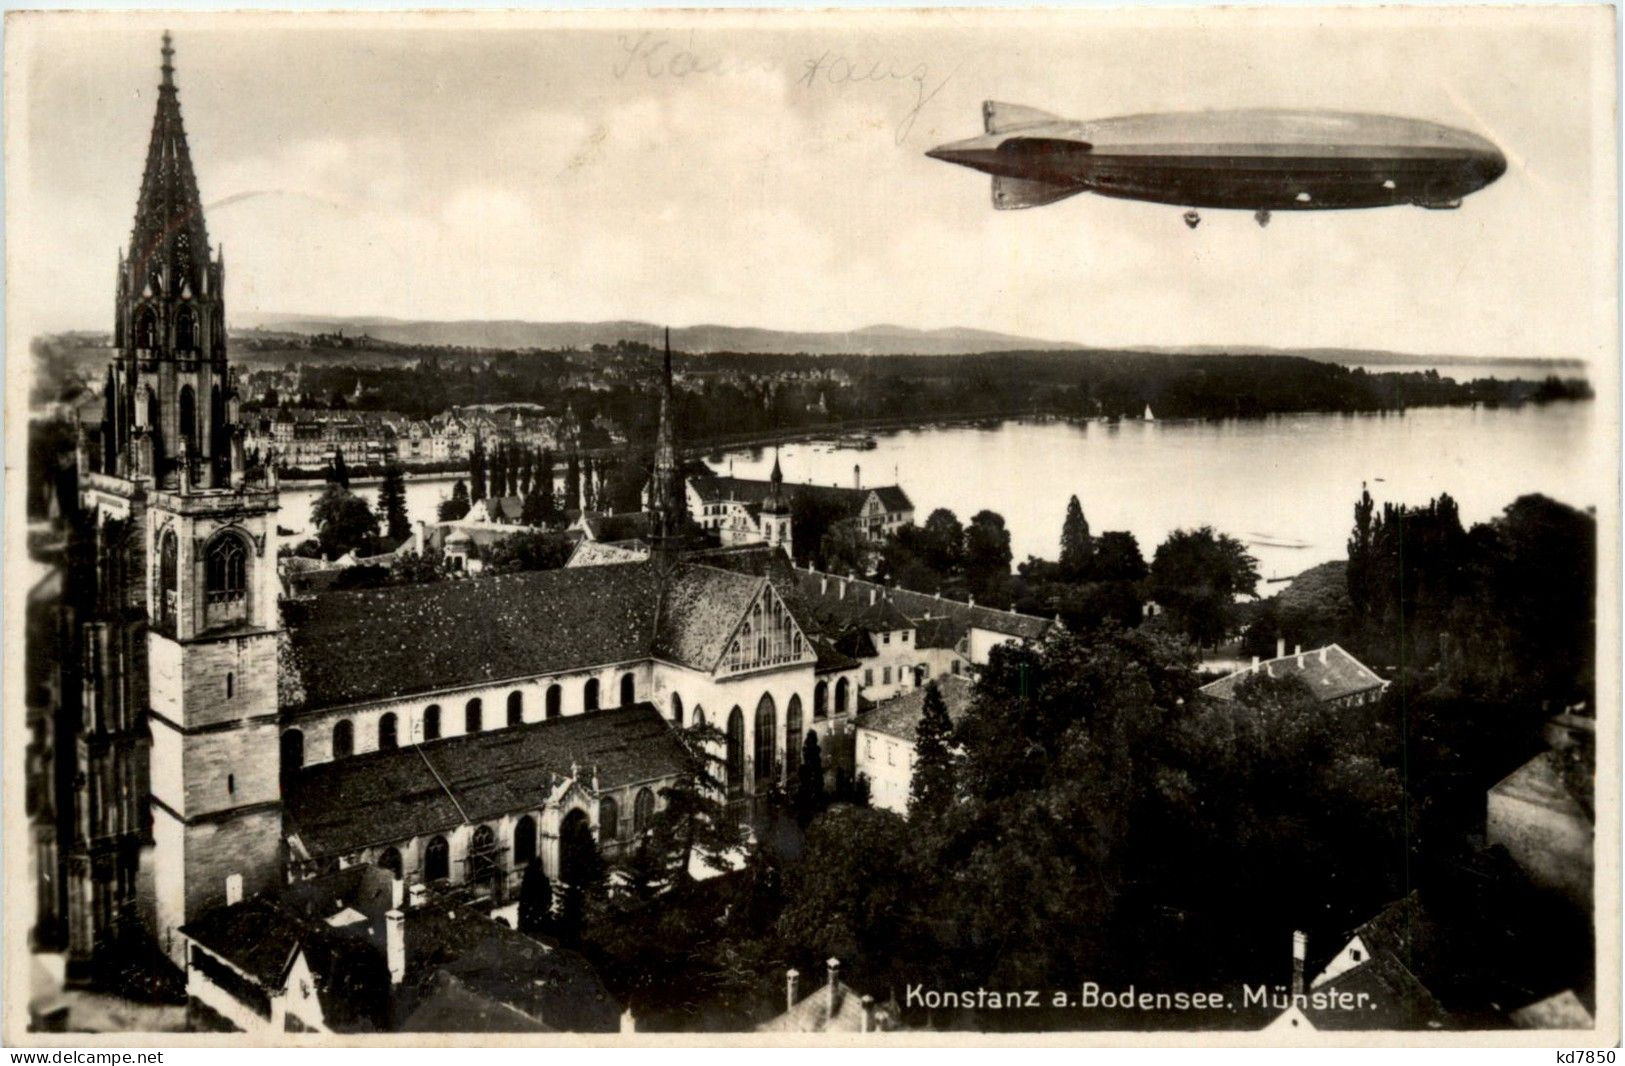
[1257,160]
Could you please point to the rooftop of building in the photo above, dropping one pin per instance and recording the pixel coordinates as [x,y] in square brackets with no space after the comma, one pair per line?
[382,797]
[717,488]
[900,716]
[1330,672]
[341,648]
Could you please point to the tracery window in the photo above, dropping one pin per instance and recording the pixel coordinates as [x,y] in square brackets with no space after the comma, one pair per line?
[226,569]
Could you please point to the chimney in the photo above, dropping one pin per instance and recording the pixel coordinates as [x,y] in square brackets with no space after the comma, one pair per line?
[418,895]
[1280,647]
[397,893]
[234,889]
[395,943]
[868,1014]
[871,597]
[841,595]
[857,476]
[792,982]
[1255,664]
[1299,653]
[629,1024]
[1323,656]
[970,601]
[823,586]
[1300,948]
[834,965]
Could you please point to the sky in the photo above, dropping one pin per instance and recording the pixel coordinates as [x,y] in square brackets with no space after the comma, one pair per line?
[760,170]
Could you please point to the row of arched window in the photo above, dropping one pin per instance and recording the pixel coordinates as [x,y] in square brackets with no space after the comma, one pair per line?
[186,329]
[484,858]
[388,727]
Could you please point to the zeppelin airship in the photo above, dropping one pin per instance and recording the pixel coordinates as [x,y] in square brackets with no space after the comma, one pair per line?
[1259,160]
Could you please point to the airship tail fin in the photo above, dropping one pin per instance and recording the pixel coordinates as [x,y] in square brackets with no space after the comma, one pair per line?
[1003,118]
[1012,194]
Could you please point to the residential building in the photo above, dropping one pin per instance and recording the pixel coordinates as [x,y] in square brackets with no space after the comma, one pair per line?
[885,739]
[1331,673]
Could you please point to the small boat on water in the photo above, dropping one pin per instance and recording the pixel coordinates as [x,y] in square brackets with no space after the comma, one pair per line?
[1148,416]
[859,441]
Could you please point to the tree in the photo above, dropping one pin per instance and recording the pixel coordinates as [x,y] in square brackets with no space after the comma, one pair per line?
[696,822]
[339,474]
[1196,576]
[1118,558]
[530,550]
[572,483]
[931,791]
[843,549]
[456,508]
[810,800]
[498,473]
[532,512]
[943,542]
[589,494]
[848,897]
[543,488]
[410,568]
[343,522]
[987,554]
[392,503]
[582,869]
[476,471]
[1077,547]
[535,901]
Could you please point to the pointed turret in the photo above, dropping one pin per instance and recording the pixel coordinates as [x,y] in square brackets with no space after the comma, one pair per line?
[169,316]
[776,502]
[666,497]
[169,244]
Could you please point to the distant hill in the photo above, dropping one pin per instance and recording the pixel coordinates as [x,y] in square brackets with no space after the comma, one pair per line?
[871,340]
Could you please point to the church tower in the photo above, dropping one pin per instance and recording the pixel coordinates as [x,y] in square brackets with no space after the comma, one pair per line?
[775,520]
[667,495]
[179,642]
[168,387]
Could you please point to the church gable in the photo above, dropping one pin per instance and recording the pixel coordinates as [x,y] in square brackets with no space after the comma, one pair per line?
[766,636]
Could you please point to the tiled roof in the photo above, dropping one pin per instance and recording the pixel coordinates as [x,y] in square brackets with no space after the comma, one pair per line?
[487,963]
[452,1007]
[1330,672]
[1394,996]
[900,716]
[826,591]
[829,1010]
[717,488]
[339,807]
[350,647]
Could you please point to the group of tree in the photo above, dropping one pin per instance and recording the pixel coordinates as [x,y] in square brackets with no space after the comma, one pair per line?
[958,559]
[1095,580]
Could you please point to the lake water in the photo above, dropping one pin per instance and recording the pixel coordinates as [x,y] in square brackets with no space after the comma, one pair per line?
[1285,485]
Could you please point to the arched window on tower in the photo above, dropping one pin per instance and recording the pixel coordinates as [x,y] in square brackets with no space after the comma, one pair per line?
[473,715]
[516,707]
[676,710]
[821,700]
[482,856]
[390,859]
[188,419]
[225,579]
[386,732]
[555,701]
[609,820]
[431,722]
[146,329]
[629,690]
[186,329]
[589,695]
[168,580]
[841,695]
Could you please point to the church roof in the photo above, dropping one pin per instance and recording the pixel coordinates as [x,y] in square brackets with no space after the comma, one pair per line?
[350,647]
[717,488]
[382,797]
